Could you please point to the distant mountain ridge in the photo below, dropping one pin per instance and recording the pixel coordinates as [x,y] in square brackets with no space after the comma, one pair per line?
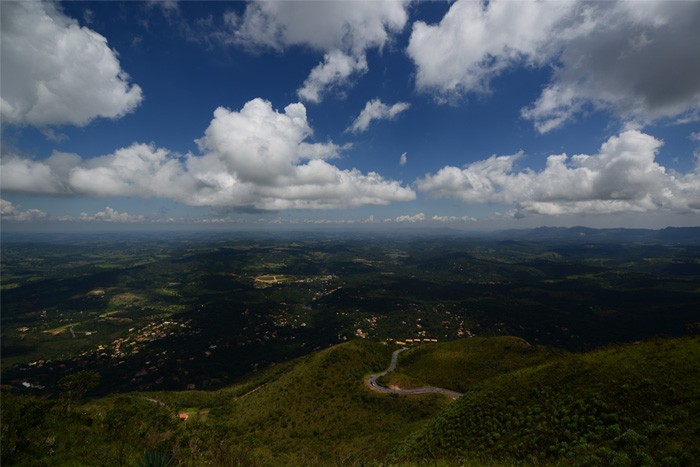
[579,233]
[545,233]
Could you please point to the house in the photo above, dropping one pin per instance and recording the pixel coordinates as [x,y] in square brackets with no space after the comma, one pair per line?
[183,416]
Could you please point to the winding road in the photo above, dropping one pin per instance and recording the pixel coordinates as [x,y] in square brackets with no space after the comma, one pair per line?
[374,386]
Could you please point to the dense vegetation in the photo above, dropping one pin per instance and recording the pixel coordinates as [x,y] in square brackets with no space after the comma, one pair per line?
[315,410]
[629,405]
[462,363]
[632,405]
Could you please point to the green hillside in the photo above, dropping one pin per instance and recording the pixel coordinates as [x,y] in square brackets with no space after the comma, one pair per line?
[628,405]
[631,405]
[319,411]
[315,410]
[459,364]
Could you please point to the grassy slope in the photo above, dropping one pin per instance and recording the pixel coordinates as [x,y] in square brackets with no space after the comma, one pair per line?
[320,412]
[459,364]
[629,405]
[315,410]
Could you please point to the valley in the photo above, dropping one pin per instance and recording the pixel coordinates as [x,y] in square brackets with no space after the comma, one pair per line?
[249,349]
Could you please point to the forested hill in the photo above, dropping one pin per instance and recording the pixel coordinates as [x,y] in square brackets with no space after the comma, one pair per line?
[636,404]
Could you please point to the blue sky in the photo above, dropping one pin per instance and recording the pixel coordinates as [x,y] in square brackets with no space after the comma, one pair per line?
[463,114]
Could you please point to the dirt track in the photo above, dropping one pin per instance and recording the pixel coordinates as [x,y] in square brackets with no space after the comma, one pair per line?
[371,382]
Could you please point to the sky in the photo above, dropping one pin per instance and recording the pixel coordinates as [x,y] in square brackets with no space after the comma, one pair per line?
[465,114]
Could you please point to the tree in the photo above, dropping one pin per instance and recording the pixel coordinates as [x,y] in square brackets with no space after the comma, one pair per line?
[75,386]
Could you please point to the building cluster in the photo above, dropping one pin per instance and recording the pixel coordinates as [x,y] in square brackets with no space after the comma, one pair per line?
[416,340]
[132,342]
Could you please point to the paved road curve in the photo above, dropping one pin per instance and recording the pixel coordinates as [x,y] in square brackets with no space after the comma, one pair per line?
[374,386]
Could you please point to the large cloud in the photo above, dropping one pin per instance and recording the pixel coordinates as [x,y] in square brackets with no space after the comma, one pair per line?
[253,157]
[637,59]
[55,72]
[343,30]
[138,170]
[267,163]
[46,177]
[622,177]
[347,25]
[474,42]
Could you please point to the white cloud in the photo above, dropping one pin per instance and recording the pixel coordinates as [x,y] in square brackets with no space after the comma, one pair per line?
[10,212]
[403,159]
[624,65]
[52,135]
[49,176]
[475,42]
[55,72]
[420,217]
[255,157]
[453,219]
[377,110]
[343,31]
[264,161]
[622,177]
[110,215]
[7,208]
[695,136]
[351,26]
[333,72]
[615,56]
[137,170]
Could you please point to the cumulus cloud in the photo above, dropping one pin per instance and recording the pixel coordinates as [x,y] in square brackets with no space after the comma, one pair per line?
[474,42]
[638,60]
[403,159]
[10,212]
[622,177]
[264,159]
[49,176]
[256,157]
[344,31]
[376,110]
[420,217]
[55,72]
[138,170]
[110,215]
[352,26]
[333,72]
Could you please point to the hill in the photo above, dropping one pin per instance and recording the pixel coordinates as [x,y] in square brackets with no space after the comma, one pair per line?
[319,412]
[631,405]
[459,364]
[315,410]
[626,405]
